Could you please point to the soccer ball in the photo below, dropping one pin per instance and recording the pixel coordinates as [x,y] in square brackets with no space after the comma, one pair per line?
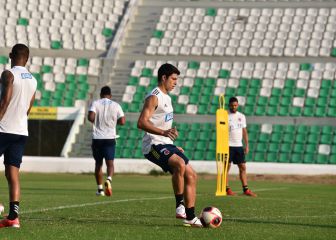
[211,217]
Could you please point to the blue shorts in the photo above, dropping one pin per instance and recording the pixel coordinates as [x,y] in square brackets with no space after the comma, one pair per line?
[103,148]
[12,146]
[159,154]
[237,155]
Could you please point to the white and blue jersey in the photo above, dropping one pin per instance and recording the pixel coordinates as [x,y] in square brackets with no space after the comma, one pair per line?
[162,118]
[15,120]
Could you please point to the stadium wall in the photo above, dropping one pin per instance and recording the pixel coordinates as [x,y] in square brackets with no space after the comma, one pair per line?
[86,165]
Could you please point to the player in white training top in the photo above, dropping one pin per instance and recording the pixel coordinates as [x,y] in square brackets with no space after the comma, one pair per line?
[18,88]
[237,133]
[105,114]
[156,120]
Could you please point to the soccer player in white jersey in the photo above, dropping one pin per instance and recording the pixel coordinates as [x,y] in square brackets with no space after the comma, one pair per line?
[237,133]
[18,88]
[156,120]
[105,114]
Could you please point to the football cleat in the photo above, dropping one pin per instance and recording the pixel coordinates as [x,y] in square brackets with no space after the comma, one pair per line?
[100,193]
[249,193]
[180,212]
[108,188]
[229,192]
[10,223]
[193,223]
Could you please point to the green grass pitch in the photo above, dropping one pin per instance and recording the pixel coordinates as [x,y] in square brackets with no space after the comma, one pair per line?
[64,206]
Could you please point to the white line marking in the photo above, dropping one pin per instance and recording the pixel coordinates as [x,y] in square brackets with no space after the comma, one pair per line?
[279,217]
[93,204]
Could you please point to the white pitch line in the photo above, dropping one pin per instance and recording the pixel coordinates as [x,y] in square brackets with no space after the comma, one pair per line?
[93,204]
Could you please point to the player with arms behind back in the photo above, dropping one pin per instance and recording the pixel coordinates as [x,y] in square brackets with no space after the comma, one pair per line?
[18,88]
[237,133]
[156,120]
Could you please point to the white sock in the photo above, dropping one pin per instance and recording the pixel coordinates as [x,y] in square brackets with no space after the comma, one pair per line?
[109,178]
[100,187]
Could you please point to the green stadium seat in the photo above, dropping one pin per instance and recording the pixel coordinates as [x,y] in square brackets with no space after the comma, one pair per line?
[306,66]
[195,126]
[193,99]
[300,138]
[332,103]
[322,159]
[322,102]
[327,129]
[273,148]
[260,111]
[4,60]
[210,155]
[83,62]
[297,158]
[223,73]
[311,148]
[198,155]
[299,92]
[23,21]
[315,129]
[289,128]
[276,92]
[274,101]
[44,102]
[211,12]
[326,138]
[284,157]
[56,102]
[68,102]
[201,145]
[295,111]
[284,111]
[320,111]
[333,52]
[208,91]
[264,137]
[261,147]
[253,127]
[277,128]
[290,83]
[285,101]
[56,45]
[324,92]
[286,148]
[253,136]
[326,83]
[259,157]
[243,83]
[249,110]
[309,158]
[262,101]
[107,32]
[81,95]
[288,137]
[313,138]
[46,69]
[276,137]
[272,157]
[302,129]
[308,112]
[146,72]
[212,146]
[298,148]
[271,111]
[253,91]
[331,112]
[288,92]
[332,159]
[133,81]
[192,135]
[193,65]
[310,102]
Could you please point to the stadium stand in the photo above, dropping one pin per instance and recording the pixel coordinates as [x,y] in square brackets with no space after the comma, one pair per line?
[277,57]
